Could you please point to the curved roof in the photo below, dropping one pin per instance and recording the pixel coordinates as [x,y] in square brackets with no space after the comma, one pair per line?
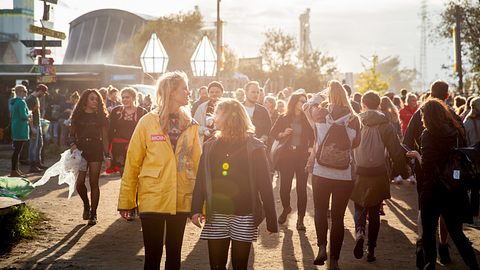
[93,35]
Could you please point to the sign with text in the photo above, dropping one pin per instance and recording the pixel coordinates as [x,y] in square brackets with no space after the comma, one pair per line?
[46,32]
[38,43]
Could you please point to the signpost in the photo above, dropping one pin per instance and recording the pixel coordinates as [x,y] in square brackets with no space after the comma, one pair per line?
[39,43]
[46,32]
[45,64]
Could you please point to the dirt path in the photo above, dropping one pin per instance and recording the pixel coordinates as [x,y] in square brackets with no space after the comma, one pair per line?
[64,242]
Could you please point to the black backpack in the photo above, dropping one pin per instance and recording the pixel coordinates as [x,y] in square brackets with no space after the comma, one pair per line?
[462,169]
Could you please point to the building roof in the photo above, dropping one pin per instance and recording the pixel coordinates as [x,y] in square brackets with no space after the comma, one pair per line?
[94,35]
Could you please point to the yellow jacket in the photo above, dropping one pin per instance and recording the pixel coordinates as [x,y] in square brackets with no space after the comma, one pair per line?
[164,179]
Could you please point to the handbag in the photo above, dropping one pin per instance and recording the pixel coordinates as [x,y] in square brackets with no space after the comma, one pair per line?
[278,147]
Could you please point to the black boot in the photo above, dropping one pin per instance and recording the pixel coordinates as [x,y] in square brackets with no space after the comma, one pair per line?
[420,257]
[444,254]
[321,256]
[371,254]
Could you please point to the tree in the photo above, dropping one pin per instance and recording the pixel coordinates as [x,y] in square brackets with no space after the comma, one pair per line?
[278,49]
[397,77]
[371,78]
[179,34]
[315,66]
[470,30]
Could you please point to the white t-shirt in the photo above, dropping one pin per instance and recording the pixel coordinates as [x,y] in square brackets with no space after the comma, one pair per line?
[326,172]
[250,111]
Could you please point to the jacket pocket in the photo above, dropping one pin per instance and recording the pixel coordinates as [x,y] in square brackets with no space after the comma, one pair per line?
[149,173]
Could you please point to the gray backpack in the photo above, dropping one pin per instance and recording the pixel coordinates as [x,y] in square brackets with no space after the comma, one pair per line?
[370,157]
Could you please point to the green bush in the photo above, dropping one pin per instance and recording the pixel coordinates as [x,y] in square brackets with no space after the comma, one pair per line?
[18,223]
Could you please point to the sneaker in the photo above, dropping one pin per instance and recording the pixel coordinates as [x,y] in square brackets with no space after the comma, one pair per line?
[41,166]
[360,239]
[283,217]
[397,180]
[371,255]
[412,179]
[93,219]
[444,254]
[14,173]
[35,169]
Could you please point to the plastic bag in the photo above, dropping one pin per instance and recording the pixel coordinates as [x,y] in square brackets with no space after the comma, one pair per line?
[17,186]
[66,168]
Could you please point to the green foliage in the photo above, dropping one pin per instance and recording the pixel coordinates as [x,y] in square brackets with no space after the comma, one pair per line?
[371,78]
[179,34]
[315,66]
[278,49]
[470,31]
[19,223]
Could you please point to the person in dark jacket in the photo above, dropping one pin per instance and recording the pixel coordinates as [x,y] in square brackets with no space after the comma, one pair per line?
[258,114]
[294,126]
[20,128]
[442,133]
[234,181]
[439,90]
[472,134]
[372,184]
[122,122]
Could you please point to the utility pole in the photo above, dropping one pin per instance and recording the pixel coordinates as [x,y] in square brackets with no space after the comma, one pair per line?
[457,66]
[46,17]
[423,46]
[219,41]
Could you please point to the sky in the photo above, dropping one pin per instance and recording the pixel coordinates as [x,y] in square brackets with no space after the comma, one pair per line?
[345,29]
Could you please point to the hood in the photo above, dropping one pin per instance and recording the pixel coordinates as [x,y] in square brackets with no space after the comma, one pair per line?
[373,118]
[13,100]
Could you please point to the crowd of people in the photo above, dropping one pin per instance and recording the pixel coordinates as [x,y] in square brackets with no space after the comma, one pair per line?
[213,160]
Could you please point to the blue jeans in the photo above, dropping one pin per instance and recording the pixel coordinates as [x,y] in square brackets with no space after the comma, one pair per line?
[373,222]
[35,147]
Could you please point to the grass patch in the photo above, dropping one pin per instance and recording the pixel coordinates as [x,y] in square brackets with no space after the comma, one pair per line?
[18,224]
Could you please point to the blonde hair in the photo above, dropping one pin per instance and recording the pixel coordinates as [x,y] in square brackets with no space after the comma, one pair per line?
[131,91]
[389,109]
[166,85]
[236,124]
[475,108]
[337,95]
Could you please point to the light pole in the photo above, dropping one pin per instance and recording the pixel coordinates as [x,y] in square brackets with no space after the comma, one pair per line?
[219,41]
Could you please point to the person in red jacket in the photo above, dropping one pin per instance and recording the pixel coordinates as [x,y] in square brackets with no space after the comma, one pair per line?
[407,112]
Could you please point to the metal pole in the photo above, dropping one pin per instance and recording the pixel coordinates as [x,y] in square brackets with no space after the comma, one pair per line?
[219,59]
[458,48]
[46,11]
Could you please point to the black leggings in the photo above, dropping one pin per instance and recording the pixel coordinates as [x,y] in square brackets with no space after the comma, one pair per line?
[154,226]
[433,205]
[93,176]
[293,163]
[218,253]
[17,148]
[340,191]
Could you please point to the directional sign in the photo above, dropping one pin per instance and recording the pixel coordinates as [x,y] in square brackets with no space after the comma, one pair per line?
[38,43]
[39,52]
[46,32]
[46,79]
[45,61]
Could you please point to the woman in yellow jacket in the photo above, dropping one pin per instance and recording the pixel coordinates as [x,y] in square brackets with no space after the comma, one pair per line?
[161,165]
